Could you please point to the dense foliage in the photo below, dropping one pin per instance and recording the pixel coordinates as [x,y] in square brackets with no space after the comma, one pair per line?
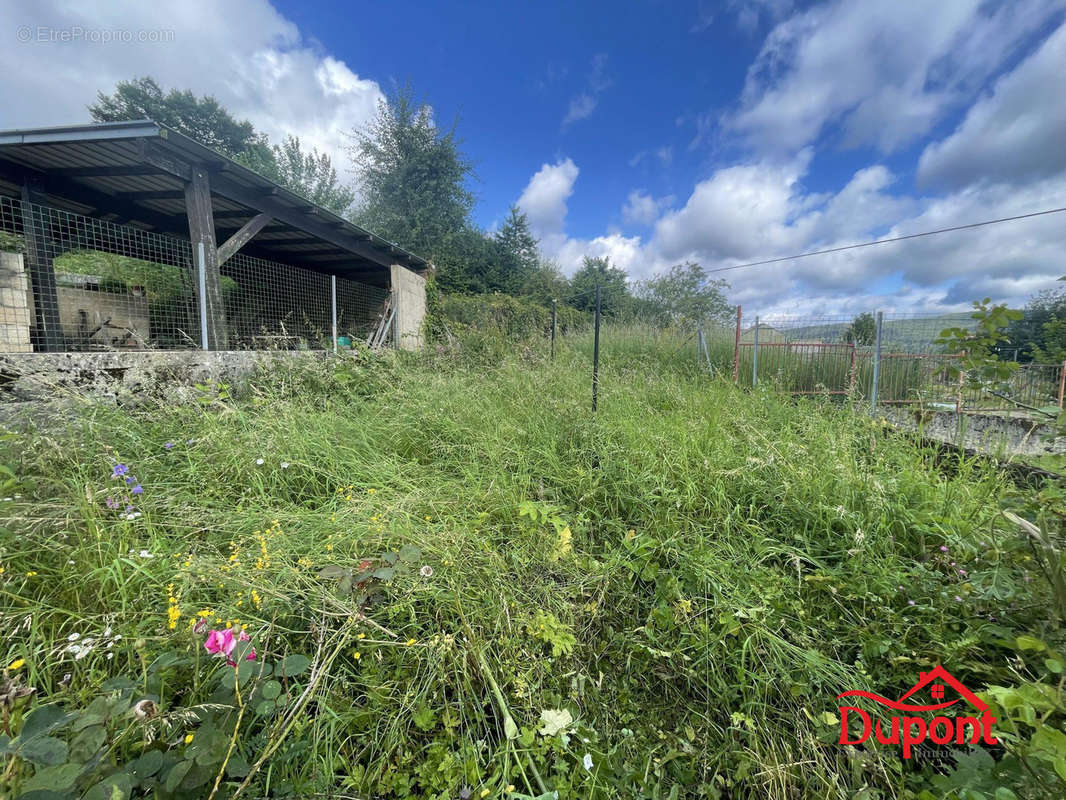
[454,582]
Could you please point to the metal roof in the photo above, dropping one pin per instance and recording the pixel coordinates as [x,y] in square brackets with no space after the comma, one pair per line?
[124,170]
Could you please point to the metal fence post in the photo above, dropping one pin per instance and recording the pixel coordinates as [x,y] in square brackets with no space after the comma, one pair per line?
[555,306]
[736,350]
[201,272]
[875,380]
[333,300]
[755,355]
[596,354]
[699,347]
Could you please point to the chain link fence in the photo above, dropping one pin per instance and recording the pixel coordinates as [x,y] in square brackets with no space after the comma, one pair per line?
[75,283]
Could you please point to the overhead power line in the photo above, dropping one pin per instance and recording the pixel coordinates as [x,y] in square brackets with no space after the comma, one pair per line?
[887,241]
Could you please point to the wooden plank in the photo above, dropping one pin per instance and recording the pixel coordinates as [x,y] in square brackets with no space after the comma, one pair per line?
[39,255]
[202,231]
[238,240]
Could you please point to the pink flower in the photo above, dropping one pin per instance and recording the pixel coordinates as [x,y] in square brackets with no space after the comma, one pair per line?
[221,643]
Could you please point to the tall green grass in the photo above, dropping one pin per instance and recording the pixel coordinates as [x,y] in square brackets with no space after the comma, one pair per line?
[690,577]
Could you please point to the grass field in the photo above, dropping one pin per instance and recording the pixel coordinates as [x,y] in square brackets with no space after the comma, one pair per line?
[459,583]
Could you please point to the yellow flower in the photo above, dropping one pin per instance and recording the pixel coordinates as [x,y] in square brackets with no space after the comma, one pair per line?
[484,792]
[361,636]
[18,663]
[371,491]
[30,574]
[411,642]
[188,738]
[510,787]
[428,517]
[356,655]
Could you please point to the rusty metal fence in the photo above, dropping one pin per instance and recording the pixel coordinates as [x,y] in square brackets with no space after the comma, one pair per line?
[74,283]
[891,359]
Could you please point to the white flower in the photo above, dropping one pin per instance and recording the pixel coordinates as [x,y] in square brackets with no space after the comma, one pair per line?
[426,571]
[74,637]
[284,464]
[110,656]
[587,761]
[133,515]
[145,554]
[259,461]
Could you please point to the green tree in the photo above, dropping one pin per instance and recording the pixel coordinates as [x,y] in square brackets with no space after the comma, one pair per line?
[1029,333]
[862,330]
[546,283]
[1052,350]
[685,295]
[201,118]
[517,251]
[309,174]
[413,178]
[614,288]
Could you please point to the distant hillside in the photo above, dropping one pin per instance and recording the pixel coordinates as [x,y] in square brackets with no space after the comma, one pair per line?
[915,333]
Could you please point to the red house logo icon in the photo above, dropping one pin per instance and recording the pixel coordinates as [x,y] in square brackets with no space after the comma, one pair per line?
[913,730]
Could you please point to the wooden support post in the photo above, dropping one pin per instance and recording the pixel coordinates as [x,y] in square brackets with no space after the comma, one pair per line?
[1062,382]
[851,373]
[229,248]
[39,255]
[958,391]
[202,232]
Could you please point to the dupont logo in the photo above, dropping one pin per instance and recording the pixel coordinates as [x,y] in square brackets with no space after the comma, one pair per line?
[969,728]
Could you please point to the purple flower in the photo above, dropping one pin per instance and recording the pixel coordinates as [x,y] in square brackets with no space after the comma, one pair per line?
[910,602]
[168,445]
[962,572]
[943,548]
[129,509]
[111,502]
[958,599]
[119,470]
[130,480]
[137,489]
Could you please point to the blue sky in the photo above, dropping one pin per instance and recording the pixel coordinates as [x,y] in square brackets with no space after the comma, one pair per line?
[657,132]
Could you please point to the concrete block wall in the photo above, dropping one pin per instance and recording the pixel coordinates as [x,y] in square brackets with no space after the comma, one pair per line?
[16,313]
[409,293]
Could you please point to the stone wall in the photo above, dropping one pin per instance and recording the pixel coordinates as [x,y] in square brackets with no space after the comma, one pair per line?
[409,292]
[997,434]
[125,375]
[15,310]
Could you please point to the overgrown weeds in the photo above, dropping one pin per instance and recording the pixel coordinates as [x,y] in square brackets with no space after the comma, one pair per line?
[665,599]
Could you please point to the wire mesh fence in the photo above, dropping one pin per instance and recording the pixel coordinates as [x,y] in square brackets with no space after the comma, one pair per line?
[74,283]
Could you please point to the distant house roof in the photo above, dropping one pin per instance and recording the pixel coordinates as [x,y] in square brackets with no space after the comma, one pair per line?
[135,173]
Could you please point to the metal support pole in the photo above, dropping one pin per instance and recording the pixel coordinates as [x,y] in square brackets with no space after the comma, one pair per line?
[736,350]
[596,354]
[555,306]
[201,273]
[333,300]
[699,347]
[755,355]
[874,382]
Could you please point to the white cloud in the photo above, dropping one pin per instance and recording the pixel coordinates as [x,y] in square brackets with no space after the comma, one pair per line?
[643,209]
[1016,133]
[581,107]
[584,103]
[884,72]
[544,198]
[246,54]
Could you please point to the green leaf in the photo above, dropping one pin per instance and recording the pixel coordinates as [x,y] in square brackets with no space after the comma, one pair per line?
[147,765]
[410,553]
[118,786]
[554,721]
[238,767]
[1053,665]
[1030,643]
[332,571]
[177,775]
[87,743]
[271,689]
[384,573]
[266,708]
[55,778]
[42,719]
[295,664]
[44,750]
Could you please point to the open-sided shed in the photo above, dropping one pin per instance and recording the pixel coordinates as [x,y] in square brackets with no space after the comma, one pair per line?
[144,177]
